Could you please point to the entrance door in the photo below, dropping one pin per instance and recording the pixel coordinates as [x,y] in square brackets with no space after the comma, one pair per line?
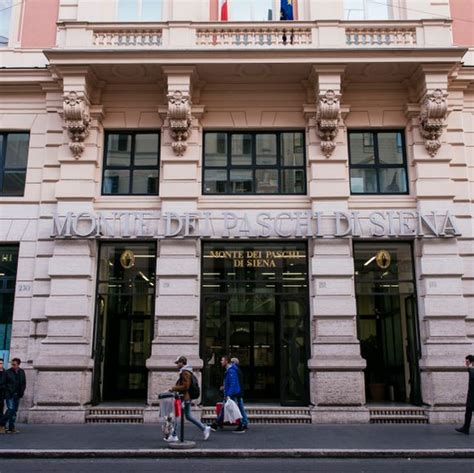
[387,321]
[124,321]
[254,307]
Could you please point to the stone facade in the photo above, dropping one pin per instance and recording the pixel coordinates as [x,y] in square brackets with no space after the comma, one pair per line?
[321,85]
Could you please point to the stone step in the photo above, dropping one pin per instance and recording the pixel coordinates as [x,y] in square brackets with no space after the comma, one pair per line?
[114,415]
[267,415]
[398,415]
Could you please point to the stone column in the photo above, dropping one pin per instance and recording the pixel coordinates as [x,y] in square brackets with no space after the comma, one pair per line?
[442,308]
[63,362]
[336,366]
[178,263]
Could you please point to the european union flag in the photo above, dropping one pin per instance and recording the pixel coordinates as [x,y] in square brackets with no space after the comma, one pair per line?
[286,10]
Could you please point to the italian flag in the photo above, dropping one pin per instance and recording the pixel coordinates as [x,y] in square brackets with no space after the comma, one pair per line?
[224,13]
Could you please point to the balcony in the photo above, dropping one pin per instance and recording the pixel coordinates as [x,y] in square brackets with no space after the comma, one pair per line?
[293,35]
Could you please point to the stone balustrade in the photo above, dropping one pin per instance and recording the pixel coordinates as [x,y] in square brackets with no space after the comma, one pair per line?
[257,35]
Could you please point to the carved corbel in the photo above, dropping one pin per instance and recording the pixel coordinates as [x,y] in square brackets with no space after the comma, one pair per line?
[327,119]
[77,121]
[432,117]
[180,119]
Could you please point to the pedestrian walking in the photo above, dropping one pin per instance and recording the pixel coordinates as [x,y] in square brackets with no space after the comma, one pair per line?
[15,385]
[183,386]
[240,399]
[232,390]
[469,362]
[3,375]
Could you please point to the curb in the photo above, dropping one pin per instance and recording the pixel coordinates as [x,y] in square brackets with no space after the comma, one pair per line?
[227,453]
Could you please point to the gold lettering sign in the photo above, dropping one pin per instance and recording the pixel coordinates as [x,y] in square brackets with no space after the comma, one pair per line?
[256,258]
[127,259]
[383,259]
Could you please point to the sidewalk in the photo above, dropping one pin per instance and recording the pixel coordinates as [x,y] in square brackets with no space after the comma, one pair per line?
[138,440]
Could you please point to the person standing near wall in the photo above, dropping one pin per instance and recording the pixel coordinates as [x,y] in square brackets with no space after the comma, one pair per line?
[469,362]
[15,385]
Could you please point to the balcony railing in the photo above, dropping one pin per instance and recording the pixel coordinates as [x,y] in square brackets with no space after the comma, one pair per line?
[258,35]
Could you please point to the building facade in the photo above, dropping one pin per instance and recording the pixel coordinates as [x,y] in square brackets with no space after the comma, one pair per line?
[296,193]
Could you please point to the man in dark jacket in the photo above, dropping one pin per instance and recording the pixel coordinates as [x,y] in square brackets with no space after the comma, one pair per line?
[470,396]
[15,385]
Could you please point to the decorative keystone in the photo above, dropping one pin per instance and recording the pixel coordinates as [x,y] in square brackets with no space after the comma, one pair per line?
[77,120]
[327,119]
[180,118]
[432,117]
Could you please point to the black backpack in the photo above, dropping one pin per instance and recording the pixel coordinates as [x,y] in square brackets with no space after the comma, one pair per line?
[194,391]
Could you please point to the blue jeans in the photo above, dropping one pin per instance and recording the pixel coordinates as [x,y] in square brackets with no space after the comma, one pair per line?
[189,416]
[9,418]
[239,400]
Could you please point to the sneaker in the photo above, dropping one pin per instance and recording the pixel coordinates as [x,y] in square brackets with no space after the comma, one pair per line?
[172,438]
[462,431]
[13,431]
[207,432]
[239,430]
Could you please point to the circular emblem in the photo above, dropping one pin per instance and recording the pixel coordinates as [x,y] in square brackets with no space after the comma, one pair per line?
[127,259]
[383,259]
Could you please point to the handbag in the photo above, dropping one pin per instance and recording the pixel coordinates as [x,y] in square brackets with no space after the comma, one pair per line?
[231,411]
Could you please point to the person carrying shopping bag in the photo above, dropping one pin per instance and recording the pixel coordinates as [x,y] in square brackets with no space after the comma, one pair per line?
[232,390]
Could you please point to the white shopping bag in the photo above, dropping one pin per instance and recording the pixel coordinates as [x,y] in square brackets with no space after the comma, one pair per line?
[231,412]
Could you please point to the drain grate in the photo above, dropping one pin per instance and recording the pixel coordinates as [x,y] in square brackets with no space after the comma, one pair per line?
[116,415]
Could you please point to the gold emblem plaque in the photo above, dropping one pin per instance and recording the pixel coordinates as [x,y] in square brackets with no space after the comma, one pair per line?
[127,259]
[383,259]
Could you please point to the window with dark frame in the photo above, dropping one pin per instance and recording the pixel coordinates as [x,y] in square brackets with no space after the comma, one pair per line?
[378,163]
[131,163]
[13,162]
[246,162]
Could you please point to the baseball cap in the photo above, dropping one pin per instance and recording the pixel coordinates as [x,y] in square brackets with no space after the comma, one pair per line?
[181,359]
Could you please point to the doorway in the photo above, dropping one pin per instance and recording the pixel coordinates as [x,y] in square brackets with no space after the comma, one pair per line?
[124,321]
[254,307]
[387,321]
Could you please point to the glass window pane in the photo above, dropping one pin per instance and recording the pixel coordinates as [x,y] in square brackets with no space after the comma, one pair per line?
[292,148]
[116,181]
[390,148]
[363,181]
[14,182]
[241,150]
[215,146]
[266,181]
[146,149]
[293,181]
[361,148]
[393,181]
[145,181]
[241,181]
[5,17]
[215,181]
[119,148]
[151,10]
[266,149]
[251,10]
[127,10]
[353,9]
[17,150]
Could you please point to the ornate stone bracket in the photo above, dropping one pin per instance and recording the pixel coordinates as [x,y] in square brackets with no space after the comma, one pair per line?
[77,121]
[327,119]
[180,119]
[432,117]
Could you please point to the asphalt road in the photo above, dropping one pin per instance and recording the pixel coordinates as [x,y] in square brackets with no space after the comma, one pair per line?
[237,466]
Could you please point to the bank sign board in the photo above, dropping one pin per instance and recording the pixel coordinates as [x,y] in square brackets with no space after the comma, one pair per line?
[255,225]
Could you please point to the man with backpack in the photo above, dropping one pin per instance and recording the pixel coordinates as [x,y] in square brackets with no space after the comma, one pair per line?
[188,386]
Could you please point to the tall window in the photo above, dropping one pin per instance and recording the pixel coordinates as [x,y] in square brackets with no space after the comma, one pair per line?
[377,162]
[131,163]
[368,10]
[139,10]
[252,10]
[254,163]
[5,17]
[13,162]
